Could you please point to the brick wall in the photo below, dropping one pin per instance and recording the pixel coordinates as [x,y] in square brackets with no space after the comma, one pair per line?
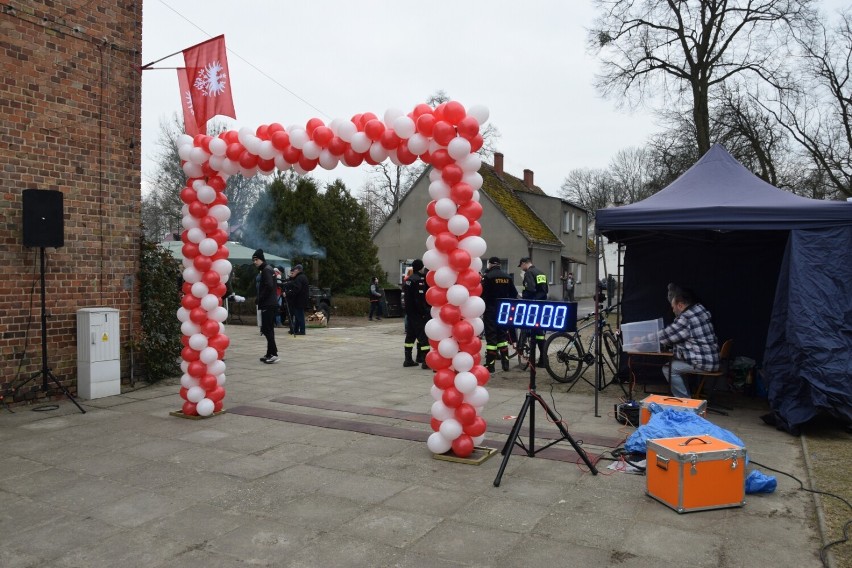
[70,106]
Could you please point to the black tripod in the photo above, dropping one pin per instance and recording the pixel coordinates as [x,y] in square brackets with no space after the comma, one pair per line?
[515,435]
[45,372]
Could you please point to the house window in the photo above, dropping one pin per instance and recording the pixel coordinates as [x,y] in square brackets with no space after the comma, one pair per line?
[552,272]
[579,226]
[566,223]
[579,276]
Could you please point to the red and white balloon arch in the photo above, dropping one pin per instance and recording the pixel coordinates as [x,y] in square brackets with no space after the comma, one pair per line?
[446,137]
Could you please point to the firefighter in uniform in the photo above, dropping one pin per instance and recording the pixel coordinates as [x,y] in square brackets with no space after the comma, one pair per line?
[417,312]
[535,288]
[496,285]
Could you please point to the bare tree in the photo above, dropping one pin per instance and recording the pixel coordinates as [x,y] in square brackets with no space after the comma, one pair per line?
[685,49]
[588,188]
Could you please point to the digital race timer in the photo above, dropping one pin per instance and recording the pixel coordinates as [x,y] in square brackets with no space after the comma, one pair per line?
[537,314]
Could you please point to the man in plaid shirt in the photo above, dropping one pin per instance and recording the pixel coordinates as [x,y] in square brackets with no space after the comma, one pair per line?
[692,338]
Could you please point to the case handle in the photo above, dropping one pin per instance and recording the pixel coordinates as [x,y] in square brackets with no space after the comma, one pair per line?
[686,443]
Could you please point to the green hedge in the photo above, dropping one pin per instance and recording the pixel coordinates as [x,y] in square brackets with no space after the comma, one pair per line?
[350,306]
[159,276]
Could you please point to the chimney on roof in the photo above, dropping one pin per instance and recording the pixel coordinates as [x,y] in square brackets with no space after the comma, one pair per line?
[498,163]
[528,178]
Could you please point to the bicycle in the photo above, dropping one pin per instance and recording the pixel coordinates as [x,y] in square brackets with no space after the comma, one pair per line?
[565,357]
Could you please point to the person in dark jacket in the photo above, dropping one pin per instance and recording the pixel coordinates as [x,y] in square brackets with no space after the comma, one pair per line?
[298,293]
[267,303]
[496,285]
[535,288]
[376,294]
[417,312]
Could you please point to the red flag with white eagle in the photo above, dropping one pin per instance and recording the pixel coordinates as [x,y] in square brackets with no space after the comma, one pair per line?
[189,125]
[207,75]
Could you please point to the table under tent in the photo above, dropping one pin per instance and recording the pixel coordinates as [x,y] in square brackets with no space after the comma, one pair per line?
[773,268]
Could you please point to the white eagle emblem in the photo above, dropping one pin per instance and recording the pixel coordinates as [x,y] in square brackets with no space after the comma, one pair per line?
[211,81]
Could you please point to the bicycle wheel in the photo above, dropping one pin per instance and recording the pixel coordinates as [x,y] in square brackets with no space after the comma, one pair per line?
[612,351]
[563,357]
[512,345]
[524,350]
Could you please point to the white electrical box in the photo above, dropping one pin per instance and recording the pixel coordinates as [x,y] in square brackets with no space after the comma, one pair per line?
[98,353]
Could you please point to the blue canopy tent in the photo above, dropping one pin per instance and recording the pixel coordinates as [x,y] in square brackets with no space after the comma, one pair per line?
[773,268]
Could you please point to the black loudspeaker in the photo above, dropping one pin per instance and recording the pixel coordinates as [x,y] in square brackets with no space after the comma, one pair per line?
[44,220]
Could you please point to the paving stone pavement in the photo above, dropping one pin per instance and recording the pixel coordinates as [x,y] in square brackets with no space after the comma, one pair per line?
[126,484]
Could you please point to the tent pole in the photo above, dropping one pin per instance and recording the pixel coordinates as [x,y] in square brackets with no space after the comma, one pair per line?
[598,370]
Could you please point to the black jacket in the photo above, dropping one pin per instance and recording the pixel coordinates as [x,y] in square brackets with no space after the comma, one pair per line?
[298,291]
[266,296]
[497,284]
[535,284]
[414,289]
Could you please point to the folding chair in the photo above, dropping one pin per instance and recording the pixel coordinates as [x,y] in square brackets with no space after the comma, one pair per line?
[724,361]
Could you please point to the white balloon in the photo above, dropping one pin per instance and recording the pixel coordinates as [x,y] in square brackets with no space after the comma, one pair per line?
[378,152]
[430,242]
[205,407]
[199,290]
[465,382]
[209,302]
[190,222]
[299,169]
[458,224]
[404,127]
[216,367]
[230,167]
[434,146]
[392,114]
[435,312]
[479,112]
[439,189]
[457,295]
[436,329]
[208,355]
[311,150]
[445,208]
[470,163]
[476,246]
[185,140]
[195,394]
[184,366]
[347,130]
[244,134]
[434,174]
[418,144]
[448,347]
[218,147]
[434,259]
[216,162]
[463,361]
[441,411]
[437,444]
[189,328]
[394,157]
[191,275]
[182,314]
[208,247]
[198,156]
[476,196]
[478,325]
[219,314]
[196,235]
[267,151]
[298,138]
[479,397]
[445,277]
[473,307]
[192,169]
[221,379]
[450,429]
[473,179]
[198,341]
[477,441]
[282,164]
[185,151]
[360,142]
[222,266]
[458,148]
[476,264]
[188,381]
[327,160]
[206,194]
[187,263]
[436,392]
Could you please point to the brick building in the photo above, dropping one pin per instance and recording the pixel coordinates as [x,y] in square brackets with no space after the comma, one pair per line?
[70,106]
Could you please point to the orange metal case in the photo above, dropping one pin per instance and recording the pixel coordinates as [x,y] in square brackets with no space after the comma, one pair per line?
[695,405]
[695,473]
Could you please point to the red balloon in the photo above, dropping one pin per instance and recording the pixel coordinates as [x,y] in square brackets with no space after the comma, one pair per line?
[308,165]
[476,428]
[477,358]
[273,128]
[476,143]
[219,290]
[450,313]
[217,406]
[186,288]
[221,199]
[313,124]
[468,278]
[190,250]
[430,208]
[184,340]
[352,158]
[475,230]
[291,154]
[476,290]
[265,165]
[460,192]
[465,414]
[222,253]
[369,159]
[189,354]
[374,129]
[452,397]
[425,125]
[210,328]
[217,183]
[220,236]
[443,132]
[219,342]
[196,369]
[182,392]
[452,174]
[184,236]
[481,373]
[217,394]
[388,139]
[230,136]
[436,361]
[440,159]
[202,263]
[472,210]
[188,195]
[208,382]
[322,135]
[436,296]
[463,446]
[444,378]
[430,278]
[198,315]
[454,112]
[211,278]
[208,223]
[468,127]
[234,151]
[248,160]
[446,242]
[189,301]
[472,346]
[337,146]
[420,110]
[436,225]
[426,157]
[404,155]
[262,132]
[435,424]
[459,259]
[198,209]
[462,330]
[207,170]
[188,409]
[280,140]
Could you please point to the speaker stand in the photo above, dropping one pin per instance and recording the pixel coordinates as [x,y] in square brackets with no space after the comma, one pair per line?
[45,373]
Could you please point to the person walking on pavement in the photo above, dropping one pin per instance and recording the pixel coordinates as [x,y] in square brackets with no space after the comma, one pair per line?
[535,288]
[417,312]
[376,294]
[267,303]
[298,292]
[569,287]
[496,285]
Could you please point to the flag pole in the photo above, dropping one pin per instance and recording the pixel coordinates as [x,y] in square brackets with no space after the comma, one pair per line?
[148,66]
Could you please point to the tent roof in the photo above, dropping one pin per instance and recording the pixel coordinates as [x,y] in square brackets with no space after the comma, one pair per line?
[720,193]
[237,253]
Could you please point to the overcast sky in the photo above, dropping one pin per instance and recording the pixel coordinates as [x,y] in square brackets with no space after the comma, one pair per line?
[293,61]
